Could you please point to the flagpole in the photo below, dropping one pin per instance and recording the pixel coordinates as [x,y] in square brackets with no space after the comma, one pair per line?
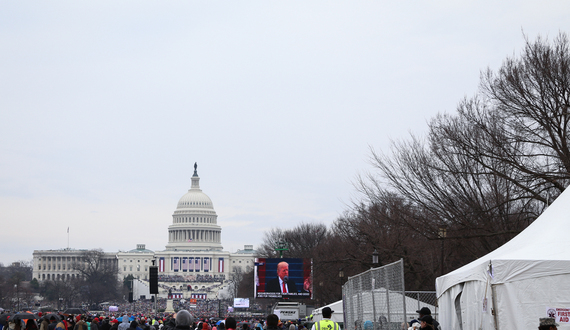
[68,238]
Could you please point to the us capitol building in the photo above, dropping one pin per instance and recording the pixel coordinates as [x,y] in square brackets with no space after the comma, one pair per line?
[193,265]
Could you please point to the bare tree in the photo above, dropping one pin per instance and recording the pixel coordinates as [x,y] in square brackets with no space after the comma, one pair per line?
[302,239]
[236,278]
[97,277]
[483,174]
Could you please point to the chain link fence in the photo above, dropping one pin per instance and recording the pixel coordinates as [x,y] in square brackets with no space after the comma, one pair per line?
[377,300]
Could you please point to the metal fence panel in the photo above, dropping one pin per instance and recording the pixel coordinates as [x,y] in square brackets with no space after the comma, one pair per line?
[376,299]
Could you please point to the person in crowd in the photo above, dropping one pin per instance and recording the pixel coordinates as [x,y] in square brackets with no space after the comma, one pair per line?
[547,323]
[125,324]
[80,324]
[105,324]
[94,324]
[52,322]
[170,322]
[114,324]
[183,320]
[272,322]
[144,324]
[61,325]
[292,326]
[426,322]
[231,323]
[426,311]
[44,323]
[14,325]
[134,325]
[414,325]
[31,325]
[326,322]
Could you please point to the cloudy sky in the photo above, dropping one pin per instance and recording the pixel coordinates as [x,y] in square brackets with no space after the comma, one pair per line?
[106,105]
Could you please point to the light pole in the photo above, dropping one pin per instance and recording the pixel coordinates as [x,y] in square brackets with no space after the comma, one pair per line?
[375,258]
[281,246]
[17,296]
[442,234]
[321,285]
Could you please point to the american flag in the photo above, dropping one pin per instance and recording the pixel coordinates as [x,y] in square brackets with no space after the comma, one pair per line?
[175,264]
[161,264]
[206,264]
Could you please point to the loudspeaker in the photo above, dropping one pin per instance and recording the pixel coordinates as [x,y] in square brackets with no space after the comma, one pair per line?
[130,297]
[153,279]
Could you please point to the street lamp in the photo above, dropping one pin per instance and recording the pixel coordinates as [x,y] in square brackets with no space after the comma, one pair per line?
[375,258]
[321,285]
[441,235]
[17,295]
[280,247]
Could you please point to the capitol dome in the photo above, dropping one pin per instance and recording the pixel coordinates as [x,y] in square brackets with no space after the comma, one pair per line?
[194,222]
[195,198]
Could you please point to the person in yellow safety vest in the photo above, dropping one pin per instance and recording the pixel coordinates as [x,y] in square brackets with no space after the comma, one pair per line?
[326,323]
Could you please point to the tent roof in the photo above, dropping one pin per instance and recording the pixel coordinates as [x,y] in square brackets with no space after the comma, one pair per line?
[337,315]
[546,239]
[335,306]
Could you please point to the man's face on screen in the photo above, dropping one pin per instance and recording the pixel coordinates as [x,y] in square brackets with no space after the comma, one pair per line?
[283,270]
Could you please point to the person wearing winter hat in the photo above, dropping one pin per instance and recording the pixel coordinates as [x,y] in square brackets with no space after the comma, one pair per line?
[547,323]
[426,311]
[94,324]
[326,322]
[426,322]
[183,320]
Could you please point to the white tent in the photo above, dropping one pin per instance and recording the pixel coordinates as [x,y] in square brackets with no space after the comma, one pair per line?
[518,283]
[140,288]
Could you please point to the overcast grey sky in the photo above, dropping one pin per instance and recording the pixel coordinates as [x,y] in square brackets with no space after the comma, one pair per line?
[106,105]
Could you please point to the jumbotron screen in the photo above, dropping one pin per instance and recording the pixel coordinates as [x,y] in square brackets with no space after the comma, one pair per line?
[241,302]
[283,278]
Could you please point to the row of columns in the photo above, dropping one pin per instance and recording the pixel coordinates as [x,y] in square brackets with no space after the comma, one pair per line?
[197,220]
[196,235]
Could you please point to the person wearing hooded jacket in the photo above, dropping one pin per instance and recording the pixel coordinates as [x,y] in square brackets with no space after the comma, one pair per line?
[125,324]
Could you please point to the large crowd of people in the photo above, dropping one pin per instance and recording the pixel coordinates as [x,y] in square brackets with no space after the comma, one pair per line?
[194,319]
